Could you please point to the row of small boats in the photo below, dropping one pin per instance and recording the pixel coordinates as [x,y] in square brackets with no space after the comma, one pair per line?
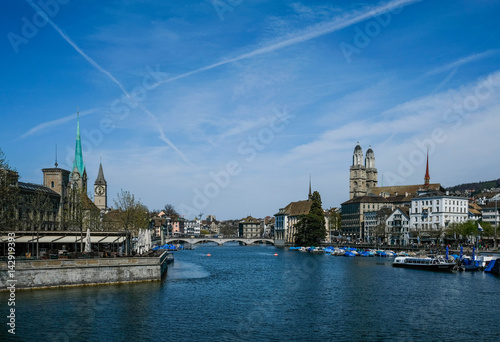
[413,261]
[350,251]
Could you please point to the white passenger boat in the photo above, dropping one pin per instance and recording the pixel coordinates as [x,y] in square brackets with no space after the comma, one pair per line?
[425,263]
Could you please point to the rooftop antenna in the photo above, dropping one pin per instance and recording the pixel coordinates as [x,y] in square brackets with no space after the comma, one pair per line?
[55,164]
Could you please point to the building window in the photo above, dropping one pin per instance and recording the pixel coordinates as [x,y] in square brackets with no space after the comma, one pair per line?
[52,184]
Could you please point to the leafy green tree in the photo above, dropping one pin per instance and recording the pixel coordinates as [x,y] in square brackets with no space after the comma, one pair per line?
[468,228]
[311,229]
[453,231]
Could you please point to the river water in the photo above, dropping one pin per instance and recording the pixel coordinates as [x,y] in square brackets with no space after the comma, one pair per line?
[246,293]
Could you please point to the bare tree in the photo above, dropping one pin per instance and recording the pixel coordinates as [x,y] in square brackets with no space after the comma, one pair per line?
[9,196]
[170,211]
[131,214]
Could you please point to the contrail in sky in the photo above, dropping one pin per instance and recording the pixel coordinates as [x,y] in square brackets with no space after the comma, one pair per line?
[315,31]
[308,34]
[162,136]
[55,122]
[463,61]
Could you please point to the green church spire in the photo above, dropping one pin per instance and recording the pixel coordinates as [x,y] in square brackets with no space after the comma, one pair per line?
[78,162]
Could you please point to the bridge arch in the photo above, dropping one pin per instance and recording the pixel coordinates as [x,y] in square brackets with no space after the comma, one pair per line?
[219,241]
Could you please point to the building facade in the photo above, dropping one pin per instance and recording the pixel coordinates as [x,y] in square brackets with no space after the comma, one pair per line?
[433,211]
[373,227]
[398,227]
[352,215]
[362,174]
[490,213]
[287,218]
[192,227]
[250,227]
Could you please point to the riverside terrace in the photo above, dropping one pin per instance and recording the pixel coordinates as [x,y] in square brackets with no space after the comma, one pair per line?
[84,270]
[63,244]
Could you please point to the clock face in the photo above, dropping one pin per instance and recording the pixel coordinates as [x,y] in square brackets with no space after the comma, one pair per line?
[99,190]
[76,176]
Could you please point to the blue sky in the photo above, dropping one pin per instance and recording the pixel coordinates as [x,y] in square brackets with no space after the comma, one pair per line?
[226,107]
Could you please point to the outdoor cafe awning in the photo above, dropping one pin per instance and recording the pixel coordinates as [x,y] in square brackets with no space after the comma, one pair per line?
[68,239]
[109,239]
[65,239]
[48,239]
[4,239]
[24,239]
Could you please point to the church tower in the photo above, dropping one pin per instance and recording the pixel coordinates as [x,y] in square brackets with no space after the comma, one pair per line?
[101,190]
[78,173]
[371,171]
[57,179]
[363,174]
[357,179]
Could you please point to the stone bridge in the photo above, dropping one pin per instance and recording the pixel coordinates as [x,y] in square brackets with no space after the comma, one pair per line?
[219,241]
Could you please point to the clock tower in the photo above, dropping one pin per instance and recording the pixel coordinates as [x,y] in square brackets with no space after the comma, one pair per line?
[101,190]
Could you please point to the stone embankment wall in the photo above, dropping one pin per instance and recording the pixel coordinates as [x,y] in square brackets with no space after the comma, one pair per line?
[30,274]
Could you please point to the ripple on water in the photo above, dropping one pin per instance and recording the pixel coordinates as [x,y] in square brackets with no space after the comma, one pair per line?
[181,270]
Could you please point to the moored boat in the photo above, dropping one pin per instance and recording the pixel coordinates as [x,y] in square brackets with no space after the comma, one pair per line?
[426,263]
[493,266]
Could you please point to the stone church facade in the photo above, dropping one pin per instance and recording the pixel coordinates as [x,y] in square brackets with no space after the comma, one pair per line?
[61,202]
[363,174]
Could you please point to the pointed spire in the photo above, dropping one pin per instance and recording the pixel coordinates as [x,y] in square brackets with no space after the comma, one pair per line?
[100,176]
[55,164]
[427,177]
[78,161]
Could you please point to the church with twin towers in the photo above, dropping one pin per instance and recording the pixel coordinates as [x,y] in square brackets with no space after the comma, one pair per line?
[363,174]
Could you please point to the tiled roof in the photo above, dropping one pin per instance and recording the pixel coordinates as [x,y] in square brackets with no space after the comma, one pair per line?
[474,212]
[400,198]
[491,205]
[30,187]
[296,208]
[405,189]
[405,210]
[473,205]
[249,219]
[367,199]
[87,203]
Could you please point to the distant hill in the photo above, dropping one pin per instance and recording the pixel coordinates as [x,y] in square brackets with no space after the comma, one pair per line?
[479,187]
